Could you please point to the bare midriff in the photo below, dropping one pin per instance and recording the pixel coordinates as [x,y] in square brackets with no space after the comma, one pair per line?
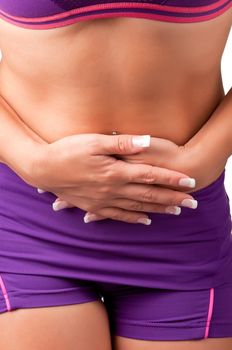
[129,75]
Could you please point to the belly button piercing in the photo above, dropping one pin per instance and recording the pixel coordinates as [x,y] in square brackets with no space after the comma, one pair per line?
[114,133]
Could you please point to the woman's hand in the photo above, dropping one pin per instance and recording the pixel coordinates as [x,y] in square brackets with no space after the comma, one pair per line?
[81,171]
[190,159]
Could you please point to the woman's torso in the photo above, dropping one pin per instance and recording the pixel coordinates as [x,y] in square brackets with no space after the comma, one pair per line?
[133,76]
[130,75]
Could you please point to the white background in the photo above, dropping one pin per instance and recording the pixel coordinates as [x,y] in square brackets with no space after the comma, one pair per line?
[227,82]
[226,68]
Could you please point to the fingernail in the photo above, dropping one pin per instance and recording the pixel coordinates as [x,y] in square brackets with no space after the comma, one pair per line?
[144,221]
[40,191]
[89,218]
[190,203]
[187,181]
[173,210]
[141,141]
[58,205]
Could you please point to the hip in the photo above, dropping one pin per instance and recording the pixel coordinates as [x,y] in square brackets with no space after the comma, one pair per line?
[190,250]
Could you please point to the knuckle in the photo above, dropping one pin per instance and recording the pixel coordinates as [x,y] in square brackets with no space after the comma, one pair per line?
[173,200]
[110,175]
[137,206]
[149,196]
[122,143]
[150,177]
[167,178]
[105,189]
[102,195]
[159,208]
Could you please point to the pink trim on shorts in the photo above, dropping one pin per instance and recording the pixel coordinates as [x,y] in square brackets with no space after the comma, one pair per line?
[4,291]
[210,312]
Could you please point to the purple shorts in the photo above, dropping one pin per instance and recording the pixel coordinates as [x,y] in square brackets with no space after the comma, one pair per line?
[171,280]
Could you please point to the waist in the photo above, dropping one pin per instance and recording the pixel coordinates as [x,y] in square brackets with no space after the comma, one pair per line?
[188,249]
[212,213]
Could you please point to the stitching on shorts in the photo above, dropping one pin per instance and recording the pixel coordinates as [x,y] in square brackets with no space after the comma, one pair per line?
[5,295]
[210,312]
[158,326]
[131,323]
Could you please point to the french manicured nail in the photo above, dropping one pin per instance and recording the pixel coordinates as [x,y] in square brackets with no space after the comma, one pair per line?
[190,203]
[141,141]
[89,218]
[58,205]
[187,181]
[173,210]
[144,221]
[40,191]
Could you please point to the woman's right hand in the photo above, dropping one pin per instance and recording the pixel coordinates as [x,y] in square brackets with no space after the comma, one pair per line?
[82,170]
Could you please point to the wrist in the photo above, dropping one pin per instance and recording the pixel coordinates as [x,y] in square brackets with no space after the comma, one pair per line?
[191,157]
[207,149]
[28,162]
[204,162]
[35,167]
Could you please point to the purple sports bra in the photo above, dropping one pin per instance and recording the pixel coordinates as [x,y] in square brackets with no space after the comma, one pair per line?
[44,14]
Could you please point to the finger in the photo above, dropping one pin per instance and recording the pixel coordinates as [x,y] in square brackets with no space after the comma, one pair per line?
[124,215]
[154,194]
[92,217]
[39,190]
[61,204]
[121,144]
[147,174]
[147,207]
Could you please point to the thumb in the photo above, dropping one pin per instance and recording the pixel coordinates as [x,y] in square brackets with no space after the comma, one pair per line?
[123,144]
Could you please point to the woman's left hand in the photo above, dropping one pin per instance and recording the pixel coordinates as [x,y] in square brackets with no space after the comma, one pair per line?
[189,158]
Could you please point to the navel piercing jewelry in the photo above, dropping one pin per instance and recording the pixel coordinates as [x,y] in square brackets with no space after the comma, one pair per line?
[114,133]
